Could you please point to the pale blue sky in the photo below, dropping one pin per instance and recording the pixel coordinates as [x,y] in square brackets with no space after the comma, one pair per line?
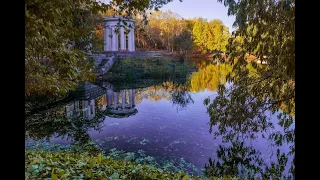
[209,9]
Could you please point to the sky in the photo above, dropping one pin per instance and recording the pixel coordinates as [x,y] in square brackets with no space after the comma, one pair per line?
[209,9]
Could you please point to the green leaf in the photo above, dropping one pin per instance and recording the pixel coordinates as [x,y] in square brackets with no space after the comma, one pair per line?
[34,167]
[206,101]
[114,176]
[62,172]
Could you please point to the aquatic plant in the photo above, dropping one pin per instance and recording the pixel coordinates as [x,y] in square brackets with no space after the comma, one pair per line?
[45,145]
[92,149]
[69,165]
[144,141]
[129,156]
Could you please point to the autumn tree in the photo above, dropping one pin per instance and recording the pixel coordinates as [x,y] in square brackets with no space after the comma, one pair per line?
[57,35]
[183,44]
[198,34]
[58,38]
[210,36]
[266,29]
[218,36]
[166,24]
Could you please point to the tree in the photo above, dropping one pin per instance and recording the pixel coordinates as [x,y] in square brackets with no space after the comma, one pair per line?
[183,43]
[212,35]
[160,32]
[219,35]
[58,35]
[198,34]
[266,31]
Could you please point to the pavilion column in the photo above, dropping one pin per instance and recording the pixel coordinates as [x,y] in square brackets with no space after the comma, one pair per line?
[133,103]
[131,98]
[115,99]
[92,108]
[107,40]
[123,46]
[115,44]
[105,35]
[131,44]
[130,39]
[132,36]
[123,99]
[86,107]
[109,97]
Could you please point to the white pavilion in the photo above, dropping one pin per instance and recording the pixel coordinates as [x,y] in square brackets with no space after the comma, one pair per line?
[125,35]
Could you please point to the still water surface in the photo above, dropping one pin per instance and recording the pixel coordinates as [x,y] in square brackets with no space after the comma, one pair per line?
[166,121]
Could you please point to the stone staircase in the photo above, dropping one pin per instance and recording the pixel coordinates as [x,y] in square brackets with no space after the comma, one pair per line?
[102,63]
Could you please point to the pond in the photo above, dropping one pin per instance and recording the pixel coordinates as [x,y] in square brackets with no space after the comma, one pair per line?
[166,121]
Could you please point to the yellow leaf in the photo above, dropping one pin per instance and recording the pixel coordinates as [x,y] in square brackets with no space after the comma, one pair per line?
[54,177]
[99,158]
[186,177]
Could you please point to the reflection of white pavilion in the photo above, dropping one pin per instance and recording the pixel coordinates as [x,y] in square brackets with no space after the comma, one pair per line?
[119,104]
[73,109]
[86,95]
[114,101]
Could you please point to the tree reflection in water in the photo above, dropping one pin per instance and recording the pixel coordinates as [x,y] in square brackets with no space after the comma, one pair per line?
[55,123]
[73,120]
[178,94]
[244,161]
[239,115]
[246,121]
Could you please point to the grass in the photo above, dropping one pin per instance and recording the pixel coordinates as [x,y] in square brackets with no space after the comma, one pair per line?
[148,68]
[71,165]
[90,162]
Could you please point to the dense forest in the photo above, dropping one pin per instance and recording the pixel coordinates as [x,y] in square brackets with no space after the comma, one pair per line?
[166,30]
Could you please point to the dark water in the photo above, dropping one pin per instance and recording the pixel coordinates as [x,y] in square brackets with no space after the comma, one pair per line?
[167,120]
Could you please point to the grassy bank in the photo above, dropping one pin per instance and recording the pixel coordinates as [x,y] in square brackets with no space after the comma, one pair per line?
[148,68]
[88,161]
[70,165]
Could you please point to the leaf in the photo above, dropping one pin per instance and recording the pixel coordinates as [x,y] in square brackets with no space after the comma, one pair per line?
[206,101]
[114,176]
[34,167]
[54,177]
[186,177]
[90,174]
[99,159]
[62,172]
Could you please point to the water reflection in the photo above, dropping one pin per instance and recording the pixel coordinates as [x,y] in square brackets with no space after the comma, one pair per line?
[121,104]
[242,159]
[93,103]
[209,77]
[238,159]
[88,109]
[59,123]
[167,120]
